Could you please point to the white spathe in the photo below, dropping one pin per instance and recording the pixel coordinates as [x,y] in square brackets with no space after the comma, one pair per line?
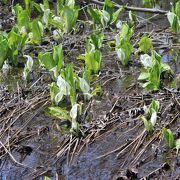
[153,117]
[74,111]
[63,85]
[146,60]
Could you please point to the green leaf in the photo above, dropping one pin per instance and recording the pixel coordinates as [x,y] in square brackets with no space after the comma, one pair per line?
[60,5]
[145,44]
[127,49]
[58,112]
[126,32]
[87,74]
[144,76]
[154,78]
[37,30]
[69,17]
[93,60]
[47,178]
[3,49]
[109,8]
[153,106]
[116,15]
[96,39]
[58,57]
[46,60]
[46,4]
[23,19]
[169,137]
[54,90]
[71,78]
[95,15]
[27,5]
[148,126]
[177,9]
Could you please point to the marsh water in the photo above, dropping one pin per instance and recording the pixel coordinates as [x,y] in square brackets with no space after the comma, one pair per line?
[90,164]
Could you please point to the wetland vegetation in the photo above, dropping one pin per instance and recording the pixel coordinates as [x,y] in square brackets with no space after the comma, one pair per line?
[89,89]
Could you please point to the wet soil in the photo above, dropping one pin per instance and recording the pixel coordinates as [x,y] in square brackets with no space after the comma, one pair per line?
[114,144]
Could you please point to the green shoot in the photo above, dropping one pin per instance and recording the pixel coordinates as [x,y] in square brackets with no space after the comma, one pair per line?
[152,113]
[168,137]
[145,44]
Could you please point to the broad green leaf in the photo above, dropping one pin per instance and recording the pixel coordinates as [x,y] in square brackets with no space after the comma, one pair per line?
[154,78]
[93,60]
[154,106]
[17,9]
[145,44]
[37,6]
[58,57]
[95,15]
[144,76]
[126,32]
[23,19]
[47,178]
[168,137]
[46,4]
[87,75]
[69,17]
[37,30]
[127,48]
[46,60]
[58,112]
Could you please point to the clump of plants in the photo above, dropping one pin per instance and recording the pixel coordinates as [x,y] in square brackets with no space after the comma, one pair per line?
[106,17]
[170,140]
[150,117]
[123,47]
[174,17]
[153,67]
[93,55]
[65,90]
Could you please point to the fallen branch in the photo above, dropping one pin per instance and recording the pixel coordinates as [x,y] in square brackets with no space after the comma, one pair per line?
[130,8]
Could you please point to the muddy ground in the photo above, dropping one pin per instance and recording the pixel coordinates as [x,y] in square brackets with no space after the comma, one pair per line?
[114,144]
